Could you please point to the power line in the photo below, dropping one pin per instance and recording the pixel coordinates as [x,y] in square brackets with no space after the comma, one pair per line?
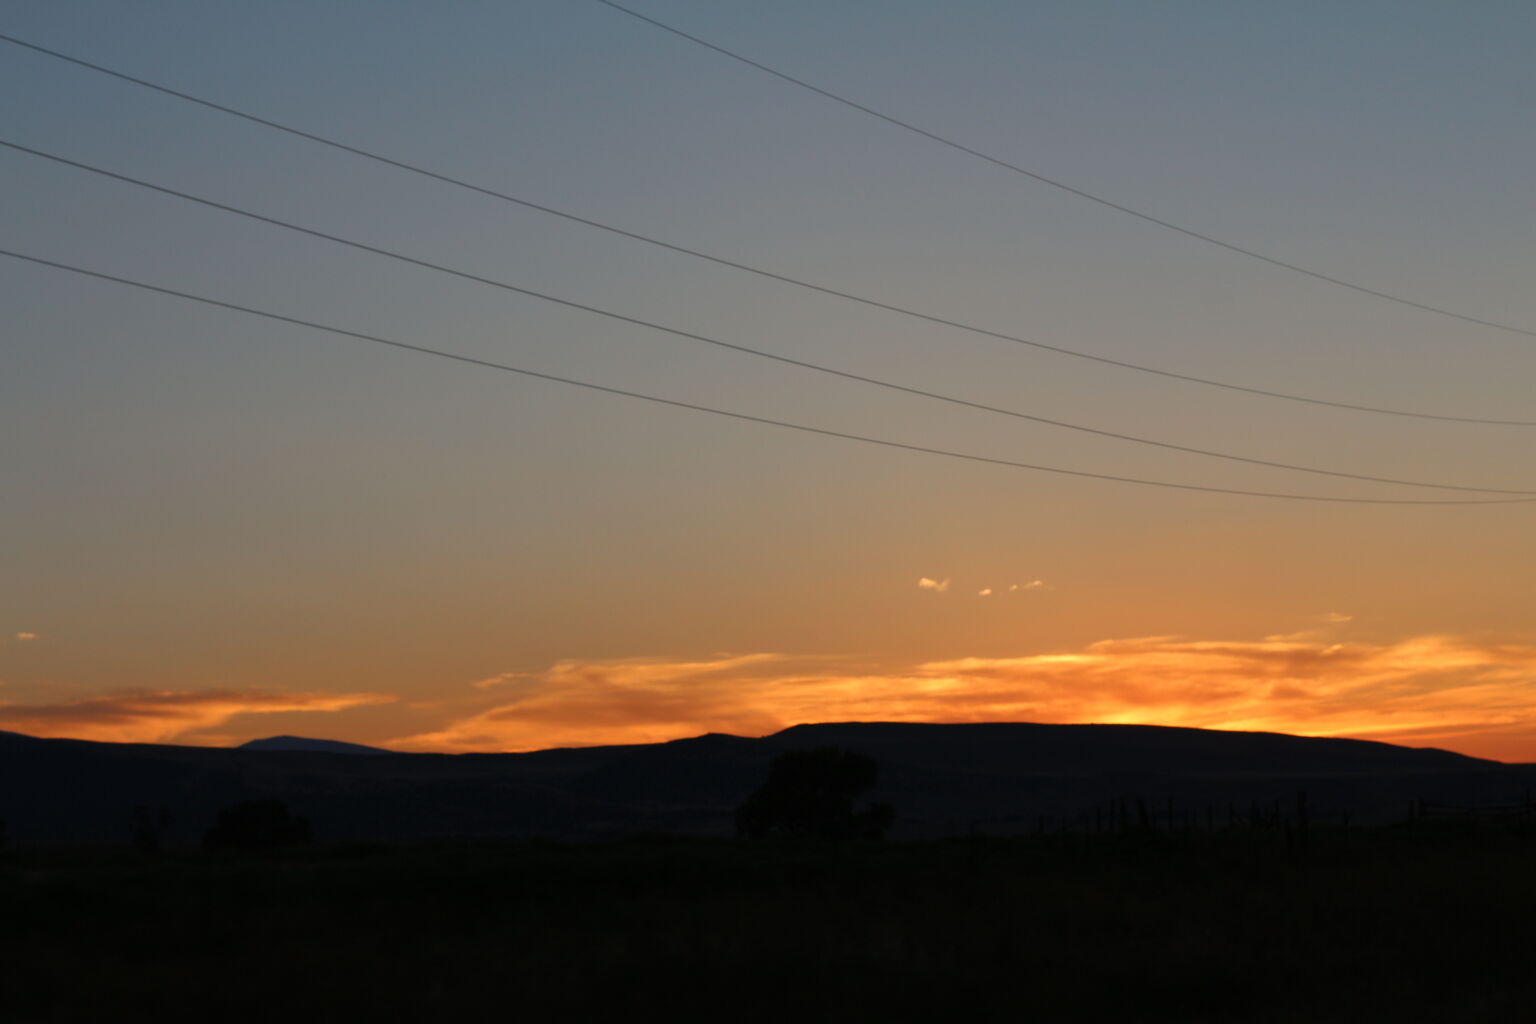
[804,428]
[743,349]
[1063,186]
[771,275]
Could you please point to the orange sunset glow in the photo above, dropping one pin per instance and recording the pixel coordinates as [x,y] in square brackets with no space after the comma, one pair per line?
[1420,692]
[1424,691]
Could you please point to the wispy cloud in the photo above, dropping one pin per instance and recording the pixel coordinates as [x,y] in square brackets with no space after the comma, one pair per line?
[1416,687]
[1031,585]
[158,716]
[502,679]
[984,592]
[936,585]
[633,672]
[26,636]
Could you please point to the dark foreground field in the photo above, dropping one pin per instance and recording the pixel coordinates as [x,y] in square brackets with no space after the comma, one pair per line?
[1380,925]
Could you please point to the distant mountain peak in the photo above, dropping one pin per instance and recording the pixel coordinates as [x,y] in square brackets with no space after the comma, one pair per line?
[311,746]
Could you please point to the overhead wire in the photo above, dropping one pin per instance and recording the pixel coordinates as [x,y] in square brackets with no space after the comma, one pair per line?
[760,272]
[732,346]
[1064,186]
[746,417]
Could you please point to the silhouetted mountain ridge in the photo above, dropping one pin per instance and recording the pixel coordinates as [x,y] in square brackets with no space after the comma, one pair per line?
[1097,748]
[943,779]
[303,743]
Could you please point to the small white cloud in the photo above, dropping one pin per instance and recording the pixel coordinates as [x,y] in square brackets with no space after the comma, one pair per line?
[26,636]
[1031,585]
[938,586]
[501,680]
[984,592]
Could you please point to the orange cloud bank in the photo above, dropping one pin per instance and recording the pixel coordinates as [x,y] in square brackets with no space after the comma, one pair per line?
[155,717]
[1425,691]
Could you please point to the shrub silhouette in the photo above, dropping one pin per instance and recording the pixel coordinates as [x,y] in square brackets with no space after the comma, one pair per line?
[811,794]
[256,825]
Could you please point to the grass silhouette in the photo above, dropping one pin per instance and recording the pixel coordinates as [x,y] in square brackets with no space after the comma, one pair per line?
[1381,924]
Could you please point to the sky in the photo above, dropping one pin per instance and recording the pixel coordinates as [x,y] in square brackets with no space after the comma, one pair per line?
[217,527]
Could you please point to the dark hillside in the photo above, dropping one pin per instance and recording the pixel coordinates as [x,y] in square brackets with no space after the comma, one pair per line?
[1111,749]
[942,779]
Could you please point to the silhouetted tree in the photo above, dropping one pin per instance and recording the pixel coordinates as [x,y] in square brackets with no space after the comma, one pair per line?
[811,793]
[147,827]
[256,825]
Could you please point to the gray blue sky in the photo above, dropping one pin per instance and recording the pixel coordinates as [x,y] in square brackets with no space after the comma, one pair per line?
[212,512]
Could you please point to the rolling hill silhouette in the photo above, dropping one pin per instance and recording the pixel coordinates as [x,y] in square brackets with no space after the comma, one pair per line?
[943,779]
[302,743]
